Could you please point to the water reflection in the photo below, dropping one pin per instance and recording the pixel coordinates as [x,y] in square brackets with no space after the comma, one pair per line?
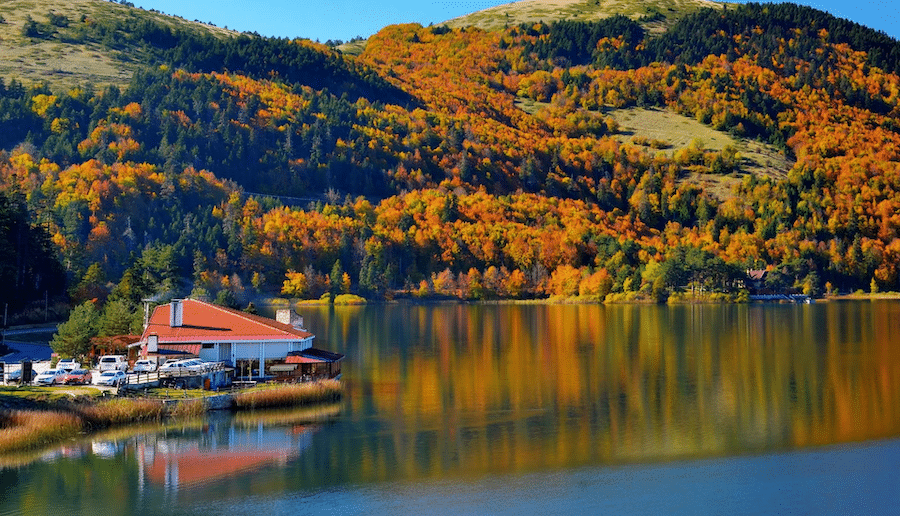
[486,388]
[464,393]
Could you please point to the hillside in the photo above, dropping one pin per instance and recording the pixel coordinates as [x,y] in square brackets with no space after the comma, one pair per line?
[64,52]
[592,158]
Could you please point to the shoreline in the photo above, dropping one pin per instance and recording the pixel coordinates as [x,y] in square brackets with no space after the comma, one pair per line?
[38,421]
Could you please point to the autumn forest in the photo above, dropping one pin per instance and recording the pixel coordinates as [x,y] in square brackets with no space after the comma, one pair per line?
[457,163]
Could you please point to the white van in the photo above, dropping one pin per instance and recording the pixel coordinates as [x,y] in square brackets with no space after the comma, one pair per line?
[112,363]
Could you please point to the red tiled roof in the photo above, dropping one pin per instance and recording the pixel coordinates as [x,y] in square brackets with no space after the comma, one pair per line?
[205,322]
[756,274]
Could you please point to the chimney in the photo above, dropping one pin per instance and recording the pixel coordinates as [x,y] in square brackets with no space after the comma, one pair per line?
[176,313]
[287,316]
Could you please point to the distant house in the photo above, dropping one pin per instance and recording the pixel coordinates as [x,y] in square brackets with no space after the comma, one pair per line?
[188,327]
[756,280]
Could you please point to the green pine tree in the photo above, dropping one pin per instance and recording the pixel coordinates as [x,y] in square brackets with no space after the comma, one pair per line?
[73,337]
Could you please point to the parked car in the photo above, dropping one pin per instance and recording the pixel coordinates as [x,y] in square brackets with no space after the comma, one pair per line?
[195,365]
[185,366]
[50,376]
[69,364]
[15,376]
[174,367]
[144,366]
[77,377]
[112,363]
[111,378]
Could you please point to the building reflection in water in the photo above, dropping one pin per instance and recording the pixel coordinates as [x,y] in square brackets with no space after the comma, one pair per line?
[219,452]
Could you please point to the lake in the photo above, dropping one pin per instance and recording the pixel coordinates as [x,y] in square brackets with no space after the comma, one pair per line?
[510,409]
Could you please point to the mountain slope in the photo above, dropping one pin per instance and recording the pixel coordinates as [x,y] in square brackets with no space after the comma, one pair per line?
[539,159]
[63,50]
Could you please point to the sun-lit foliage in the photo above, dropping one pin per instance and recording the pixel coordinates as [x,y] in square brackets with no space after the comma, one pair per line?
[470,164]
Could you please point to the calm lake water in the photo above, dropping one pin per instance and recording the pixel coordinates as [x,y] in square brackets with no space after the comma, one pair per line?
[510,409]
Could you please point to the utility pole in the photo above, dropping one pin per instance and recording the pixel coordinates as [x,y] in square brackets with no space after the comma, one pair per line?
[3,329]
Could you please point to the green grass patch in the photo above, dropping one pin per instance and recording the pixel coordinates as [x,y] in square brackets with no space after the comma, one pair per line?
[41,394]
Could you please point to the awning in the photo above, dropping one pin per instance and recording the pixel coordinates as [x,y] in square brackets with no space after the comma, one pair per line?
[283,368]
[313,356]
[179,349]
[304,360]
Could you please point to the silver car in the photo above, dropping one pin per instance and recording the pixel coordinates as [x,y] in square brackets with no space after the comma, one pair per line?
[50,376]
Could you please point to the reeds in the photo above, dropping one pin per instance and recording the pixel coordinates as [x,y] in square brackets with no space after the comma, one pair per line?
[121,411]
[188,409]
[29,429]
[289,395]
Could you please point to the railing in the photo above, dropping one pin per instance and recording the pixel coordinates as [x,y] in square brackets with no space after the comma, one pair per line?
[159,375]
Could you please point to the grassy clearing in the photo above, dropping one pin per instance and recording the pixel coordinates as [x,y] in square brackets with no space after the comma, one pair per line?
[62,57]
[285,395]
[51,395]
[678,131]
[663,12]
[354,48]
[663,131]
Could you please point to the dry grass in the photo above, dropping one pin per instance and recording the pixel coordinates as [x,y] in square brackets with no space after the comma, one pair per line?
[121,411]
[188,409]
[29,429]
[679,131]
[23,430]
[531,11]
[285,395]
[61,58]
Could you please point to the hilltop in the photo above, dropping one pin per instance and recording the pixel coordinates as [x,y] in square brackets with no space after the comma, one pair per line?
[653,15]
[64,51]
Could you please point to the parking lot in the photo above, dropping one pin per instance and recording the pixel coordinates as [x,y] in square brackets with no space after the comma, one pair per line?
[12,372]
[180,373]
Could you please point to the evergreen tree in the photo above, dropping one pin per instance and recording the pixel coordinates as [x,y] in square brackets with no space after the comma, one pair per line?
[119,318]
[336,278]
[73,337]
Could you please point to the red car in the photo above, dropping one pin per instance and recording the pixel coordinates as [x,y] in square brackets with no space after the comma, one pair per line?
[76,376]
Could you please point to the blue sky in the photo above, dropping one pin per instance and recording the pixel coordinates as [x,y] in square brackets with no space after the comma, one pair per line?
[344,19]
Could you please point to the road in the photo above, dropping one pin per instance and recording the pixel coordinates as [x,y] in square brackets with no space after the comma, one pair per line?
[27,350]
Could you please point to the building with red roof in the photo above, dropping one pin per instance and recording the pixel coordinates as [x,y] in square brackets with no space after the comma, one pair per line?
[217,334]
